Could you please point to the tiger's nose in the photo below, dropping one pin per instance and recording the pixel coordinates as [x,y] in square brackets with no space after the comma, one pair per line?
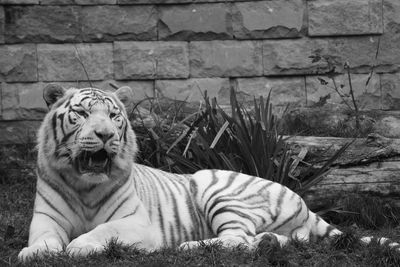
[104,135]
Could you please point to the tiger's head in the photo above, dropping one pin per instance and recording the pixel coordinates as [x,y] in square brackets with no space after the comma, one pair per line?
[86,134]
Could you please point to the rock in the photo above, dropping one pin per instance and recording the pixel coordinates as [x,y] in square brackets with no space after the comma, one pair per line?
[19,2]
[283,90]
[110,23]
[267,19]
[24,101]
[192,90]
[59,62]
[42,24]
[367,96]
[150,60]
[388,126]
[225,59]
[343,17]
[389,52]
[292,57]
[194,22]
[2,19]
[141,89]
[18,63]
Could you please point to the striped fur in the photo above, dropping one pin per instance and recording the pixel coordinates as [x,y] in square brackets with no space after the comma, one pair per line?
[81,205]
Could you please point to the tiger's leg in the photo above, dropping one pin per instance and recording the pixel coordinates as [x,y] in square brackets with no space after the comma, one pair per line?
[46,234]
[134,229]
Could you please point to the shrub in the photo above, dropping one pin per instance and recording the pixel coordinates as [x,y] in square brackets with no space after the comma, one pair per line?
[240,140]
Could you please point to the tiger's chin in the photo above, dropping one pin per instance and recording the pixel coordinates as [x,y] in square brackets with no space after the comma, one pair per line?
[94,178]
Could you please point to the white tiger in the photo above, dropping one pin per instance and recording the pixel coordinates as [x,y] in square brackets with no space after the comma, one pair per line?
[90,190]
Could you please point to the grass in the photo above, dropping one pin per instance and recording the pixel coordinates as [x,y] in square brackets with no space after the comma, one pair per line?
[17,188]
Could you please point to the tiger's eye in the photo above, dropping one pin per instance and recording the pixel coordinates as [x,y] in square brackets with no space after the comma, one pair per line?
[81,113]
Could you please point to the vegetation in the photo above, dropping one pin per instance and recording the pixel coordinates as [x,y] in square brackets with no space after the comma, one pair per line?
[213,138]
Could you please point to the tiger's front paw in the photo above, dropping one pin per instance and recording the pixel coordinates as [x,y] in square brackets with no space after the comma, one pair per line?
[84,245]
[38,250]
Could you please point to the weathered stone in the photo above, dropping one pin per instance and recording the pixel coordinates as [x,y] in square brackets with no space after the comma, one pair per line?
[268,19]
[24,101]
[192,90]
[149,60]
[78,2]
[343,17]
[141,89]
[388,126]
[389,51]
[225,58]
[60,62]
[292,57]
[19,2]
[366,89]
[2,19]
[57,2]
[18,132]
[42,24]
[136,2]
[194,22]
[109,23]
[96,2]
[18,63]
[390,87]
[283,90]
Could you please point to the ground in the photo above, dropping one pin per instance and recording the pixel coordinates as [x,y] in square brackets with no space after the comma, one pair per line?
[17,189]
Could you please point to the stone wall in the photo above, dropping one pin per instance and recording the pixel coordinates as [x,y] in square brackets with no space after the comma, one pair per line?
[178,48]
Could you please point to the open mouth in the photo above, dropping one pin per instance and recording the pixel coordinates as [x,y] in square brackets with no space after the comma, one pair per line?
[94,162]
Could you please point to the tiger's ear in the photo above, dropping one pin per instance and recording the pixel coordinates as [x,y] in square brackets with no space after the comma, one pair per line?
[52,92]
[125,95]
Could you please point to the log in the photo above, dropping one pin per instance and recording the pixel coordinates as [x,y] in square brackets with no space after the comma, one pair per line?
[370,165]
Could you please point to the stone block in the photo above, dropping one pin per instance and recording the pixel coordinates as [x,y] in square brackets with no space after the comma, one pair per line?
[136,2]
[2,22]
[96,2]
[18,63]
[109,23]
[19,2]
[268,19]
[42,24]
[225,58]
[18,132]
[390,87]
[192,90]
[292,57]
[194,22]
[24,101]
[389,52]
[288,90]
[78,2]
[141,89]
[150,60]
[343,17]
[60,62]
[366,90]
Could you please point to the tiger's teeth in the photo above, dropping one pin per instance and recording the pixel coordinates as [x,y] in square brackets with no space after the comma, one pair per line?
[90,161]
[105,163]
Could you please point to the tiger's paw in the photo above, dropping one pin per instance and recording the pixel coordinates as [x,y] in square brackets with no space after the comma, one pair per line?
[37,250]
[189,245]
[84,245]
